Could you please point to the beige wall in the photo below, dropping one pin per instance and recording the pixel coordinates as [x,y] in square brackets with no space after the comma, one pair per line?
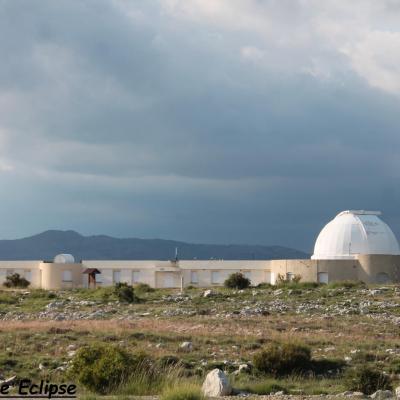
[23,268]
[367,268]
[372,265]
[52,275]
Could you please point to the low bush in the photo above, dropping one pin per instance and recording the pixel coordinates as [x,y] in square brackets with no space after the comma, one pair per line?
[263,388]
[42,294]
[125,293]
[187,391]
[16,281]
[283,359]
[237,281]
[367,380]
[143,288]
[103,368]
[264,285]
[346,285]
[168,361]
[8,298]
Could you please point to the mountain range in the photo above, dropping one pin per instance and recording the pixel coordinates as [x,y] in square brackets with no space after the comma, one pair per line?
[46,245]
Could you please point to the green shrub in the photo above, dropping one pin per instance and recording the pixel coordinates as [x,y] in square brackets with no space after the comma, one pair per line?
[346,285]
[264,388]
[283,359]
[187,391]
[8,298]
[143,288]
[264,285]
[16,281]
[125,293]
[367,380]
[42,294]
[237,281]
[102,368]
[168,361]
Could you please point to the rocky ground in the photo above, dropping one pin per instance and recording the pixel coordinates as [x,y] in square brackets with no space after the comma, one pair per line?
[40,331]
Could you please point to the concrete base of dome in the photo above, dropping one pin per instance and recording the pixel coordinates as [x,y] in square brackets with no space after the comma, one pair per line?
[366,268]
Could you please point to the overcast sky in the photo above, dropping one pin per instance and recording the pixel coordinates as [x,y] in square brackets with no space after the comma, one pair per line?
[217,121]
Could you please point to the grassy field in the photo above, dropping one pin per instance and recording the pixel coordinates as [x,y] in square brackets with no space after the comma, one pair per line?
[347,326]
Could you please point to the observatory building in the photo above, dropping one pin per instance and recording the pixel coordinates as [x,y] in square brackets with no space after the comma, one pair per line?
[356,245]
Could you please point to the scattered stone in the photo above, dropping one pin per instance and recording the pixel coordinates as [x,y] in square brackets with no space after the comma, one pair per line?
[397,392]
[216,384]
[10,381]
[186,346]
[382,395]
[208,293]
[41,367]
[245,368]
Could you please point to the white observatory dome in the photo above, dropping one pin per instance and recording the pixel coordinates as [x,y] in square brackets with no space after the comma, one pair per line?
[64,259]
[355,232]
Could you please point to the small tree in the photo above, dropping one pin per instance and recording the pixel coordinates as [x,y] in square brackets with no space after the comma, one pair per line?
[237,281]
[125,293]
[368,380]
[16,281]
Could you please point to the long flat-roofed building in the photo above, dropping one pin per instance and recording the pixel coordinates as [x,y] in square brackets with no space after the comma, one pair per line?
[355,245]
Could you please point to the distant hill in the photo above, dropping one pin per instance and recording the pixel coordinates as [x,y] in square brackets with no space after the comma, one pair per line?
[46,245]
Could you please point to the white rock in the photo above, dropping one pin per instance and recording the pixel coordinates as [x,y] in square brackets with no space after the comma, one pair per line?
[41,367]
[216,384]
[208,293]
[397,391]
[382,395]
[244,368]
[11,380]
[186,346]
[358,395]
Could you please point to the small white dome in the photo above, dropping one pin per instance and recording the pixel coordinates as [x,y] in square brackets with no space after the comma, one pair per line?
[64,259]
[355,232]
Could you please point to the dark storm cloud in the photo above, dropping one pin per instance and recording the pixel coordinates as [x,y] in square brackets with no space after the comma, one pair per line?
[213,121]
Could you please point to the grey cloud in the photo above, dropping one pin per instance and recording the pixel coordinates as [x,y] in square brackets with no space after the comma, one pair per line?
[143,121]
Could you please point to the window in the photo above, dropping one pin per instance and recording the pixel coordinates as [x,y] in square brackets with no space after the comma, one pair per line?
[215,277]
[194,277]
[323,277]
[67,276]
[135,276]
[28,275]
[116,276]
